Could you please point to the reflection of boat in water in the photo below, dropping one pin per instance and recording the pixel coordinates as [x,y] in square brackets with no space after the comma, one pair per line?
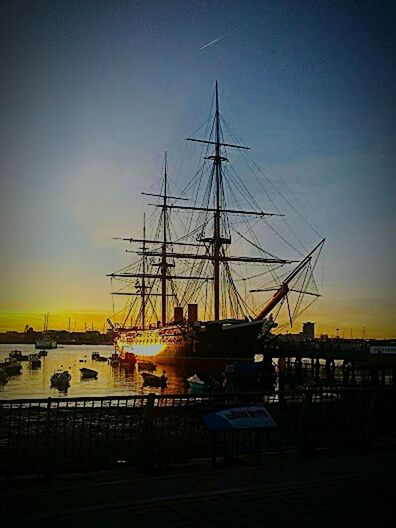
[60,379]
[3,375]
[187,263]
[146,365]
[34,361]
[87,373]
[151,380]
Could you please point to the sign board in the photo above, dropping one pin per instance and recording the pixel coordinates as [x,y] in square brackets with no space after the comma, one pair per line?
[383,350]
[234,418]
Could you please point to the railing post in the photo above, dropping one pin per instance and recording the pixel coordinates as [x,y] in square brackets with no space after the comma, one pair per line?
[45,452]
[305,425]
[369,417]
[147,433]
[213,450]
[258,445]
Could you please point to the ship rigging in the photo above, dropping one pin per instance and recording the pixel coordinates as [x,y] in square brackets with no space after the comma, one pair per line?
[195,264]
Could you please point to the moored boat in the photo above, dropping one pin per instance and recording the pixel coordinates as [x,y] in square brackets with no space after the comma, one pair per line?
[114,360]
[11,367]
[127,359]
[43,353]
[16,355]
[97,357]
[201,383]
[60,379]
[151,380]
[47,338]
[87,373]
[46,341]
[196,383]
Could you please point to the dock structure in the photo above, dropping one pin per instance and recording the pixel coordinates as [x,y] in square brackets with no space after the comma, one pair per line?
[369,352]
[335,360]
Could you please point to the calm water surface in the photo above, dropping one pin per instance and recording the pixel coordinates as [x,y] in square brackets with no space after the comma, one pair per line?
[111,381]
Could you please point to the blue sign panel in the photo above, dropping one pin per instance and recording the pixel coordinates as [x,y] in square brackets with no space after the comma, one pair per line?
[247,417]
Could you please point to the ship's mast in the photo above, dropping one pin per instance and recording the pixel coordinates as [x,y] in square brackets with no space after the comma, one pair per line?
[213,245]
[143,289]
[217,241]
[217,215]
[164,276]
[164,264]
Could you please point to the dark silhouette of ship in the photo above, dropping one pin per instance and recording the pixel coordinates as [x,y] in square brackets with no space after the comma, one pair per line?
[230,329]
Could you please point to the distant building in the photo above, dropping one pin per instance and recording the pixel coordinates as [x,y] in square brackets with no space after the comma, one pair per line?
[308,330]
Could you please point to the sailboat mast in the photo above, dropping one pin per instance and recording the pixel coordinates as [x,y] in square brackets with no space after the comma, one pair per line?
[164,245]
[217,217]
[143,289]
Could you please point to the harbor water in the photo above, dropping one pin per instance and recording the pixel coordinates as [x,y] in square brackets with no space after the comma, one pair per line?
[35,383]
[121,381]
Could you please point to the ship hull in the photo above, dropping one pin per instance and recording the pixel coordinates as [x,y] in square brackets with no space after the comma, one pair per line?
[208,346]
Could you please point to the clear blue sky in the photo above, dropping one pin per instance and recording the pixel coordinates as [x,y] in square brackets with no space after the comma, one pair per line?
[93,92]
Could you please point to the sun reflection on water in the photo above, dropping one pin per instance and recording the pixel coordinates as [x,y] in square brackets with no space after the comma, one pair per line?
[148,350]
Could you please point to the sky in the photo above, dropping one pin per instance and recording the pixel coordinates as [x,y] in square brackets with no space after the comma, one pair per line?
[94,92]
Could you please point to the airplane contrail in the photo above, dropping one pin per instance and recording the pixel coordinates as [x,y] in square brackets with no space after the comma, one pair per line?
[227,34]
[214,41]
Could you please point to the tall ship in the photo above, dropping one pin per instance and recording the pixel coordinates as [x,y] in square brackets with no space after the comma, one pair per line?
[189,298]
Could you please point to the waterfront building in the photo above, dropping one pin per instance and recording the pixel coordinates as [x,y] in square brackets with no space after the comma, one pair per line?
[308,330]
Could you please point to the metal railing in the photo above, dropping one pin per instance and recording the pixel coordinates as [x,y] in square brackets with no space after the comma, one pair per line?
[57,435]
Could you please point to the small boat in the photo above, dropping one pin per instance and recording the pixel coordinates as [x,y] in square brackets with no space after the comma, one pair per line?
[196,383]
[97,357]
[114,360]
[34,361]
[127,359]
[203,383]
[60,379]
[17,355]
[43,353]
[151,380]
[87,373]
[11,367]
[146,365]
